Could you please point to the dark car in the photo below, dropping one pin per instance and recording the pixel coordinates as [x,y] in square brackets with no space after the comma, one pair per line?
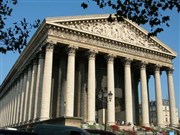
[48,129]
[15,132]
[99,132]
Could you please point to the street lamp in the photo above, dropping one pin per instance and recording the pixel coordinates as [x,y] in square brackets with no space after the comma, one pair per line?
[105,97]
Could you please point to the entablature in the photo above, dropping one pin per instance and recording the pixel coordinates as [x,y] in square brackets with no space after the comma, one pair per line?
[86,40]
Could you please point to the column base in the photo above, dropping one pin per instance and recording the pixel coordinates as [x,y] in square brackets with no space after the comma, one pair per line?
[67,121]
[160,125]
[43,118]
[110,123]
[91,122]
[146,124]
[173,125]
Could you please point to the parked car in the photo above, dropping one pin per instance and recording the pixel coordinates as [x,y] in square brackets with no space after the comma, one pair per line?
[49,129]
[99,132]
[15,132]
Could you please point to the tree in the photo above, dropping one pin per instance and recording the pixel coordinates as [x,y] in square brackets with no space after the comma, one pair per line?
[13,38]
[152,12]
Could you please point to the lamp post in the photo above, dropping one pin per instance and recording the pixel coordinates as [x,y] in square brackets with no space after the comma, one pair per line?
[105,97]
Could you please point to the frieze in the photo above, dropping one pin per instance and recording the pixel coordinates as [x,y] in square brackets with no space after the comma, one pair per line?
[118,46]
[118,31]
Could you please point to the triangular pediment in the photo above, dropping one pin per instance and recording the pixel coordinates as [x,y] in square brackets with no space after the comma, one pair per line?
[125,32]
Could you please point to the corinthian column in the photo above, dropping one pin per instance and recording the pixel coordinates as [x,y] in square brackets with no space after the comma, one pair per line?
[128,91]
[172,103]
[28,87]
[159,107]
[110,89]
[144,95]
[69,108]
[47,79]
[20,99]
[91,87]
[32,91]
[24,97]
[17,101]
[38,91]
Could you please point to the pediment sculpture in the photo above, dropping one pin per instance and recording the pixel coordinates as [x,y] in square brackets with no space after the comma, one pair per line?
[119,31]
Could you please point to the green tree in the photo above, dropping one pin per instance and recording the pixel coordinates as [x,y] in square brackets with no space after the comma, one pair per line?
[151,12]
[13,38]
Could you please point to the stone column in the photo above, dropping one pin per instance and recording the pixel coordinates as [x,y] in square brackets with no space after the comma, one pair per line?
[32,91]
[24,97]
[22,100]
[7,109]
[128,91]
[17,102]
[69,100]
[39,81]
[19,97]
[4,108]
[14,104]
[172,103]
[47,79]
[62,87]
[110,88]
[4,111]
[91,87]
[28,87]
[144,95]
[10,110]
[159,107]
[11,106]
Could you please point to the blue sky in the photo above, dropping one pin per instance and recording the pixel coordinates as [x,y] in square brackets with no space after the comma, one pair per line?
[40,9]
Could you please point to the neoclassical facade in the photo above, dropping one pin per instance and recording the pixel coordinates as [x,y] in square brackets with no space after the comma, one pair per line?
[70,59]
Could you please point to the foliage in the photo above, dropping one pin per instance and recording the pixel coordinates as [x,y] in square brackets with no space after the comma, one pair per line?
[13,38]
[151,12]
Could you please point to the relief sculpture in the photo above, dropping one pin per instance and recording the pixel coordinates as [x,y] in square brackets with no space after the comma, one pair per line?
[118,31]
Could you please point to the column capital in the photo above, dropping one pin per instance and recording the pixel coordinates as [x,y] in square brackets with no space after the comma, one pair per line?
[127,61]
[48,42]
[49,47]
[41,55]
[21,75]
[34,61]
[143,64]
[30,66]
[157,67]
[169,70]
[92,53]
[110,57]
[25,71]
[71,50]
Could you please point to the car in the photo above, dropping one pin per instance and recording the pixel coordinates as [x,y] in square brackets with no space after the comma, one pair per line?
[99,132]
[15,132]
[50,129]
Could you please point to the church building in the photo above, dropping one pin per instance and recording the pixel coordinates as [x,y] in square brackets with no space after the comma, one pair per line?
[80,69]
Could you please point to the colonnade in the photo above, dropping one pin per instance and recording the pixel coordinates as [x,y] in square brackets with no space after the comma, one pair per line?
[28,98]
